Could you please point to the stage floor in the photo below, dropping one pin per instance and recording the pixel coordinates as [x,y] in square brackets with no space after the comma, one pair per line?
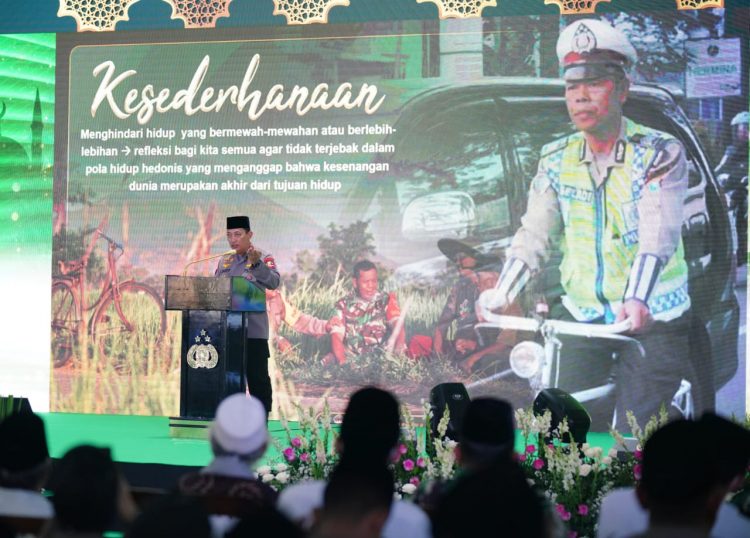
[142,439]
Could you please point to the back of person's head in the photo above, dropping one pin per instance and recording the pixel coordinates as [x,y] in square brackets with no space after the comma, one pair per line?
[84,485]
[172,515]
[487,432]
[681,473]
[732,443]
[239,428]
[357,498]
[267,522]
[371,425]
[497,497]
[24,456]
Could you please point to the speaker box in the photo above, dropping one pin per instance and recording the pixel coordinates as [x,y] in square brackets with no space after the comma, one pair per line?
[454,396]
[563,405]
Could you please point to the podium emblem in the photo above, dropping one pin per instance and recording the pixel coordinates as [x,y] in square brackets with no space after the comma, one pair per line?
[202,355]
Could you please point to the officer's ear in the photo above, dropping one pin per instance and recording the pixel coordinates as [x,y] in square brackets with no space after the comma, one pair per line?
[623,88]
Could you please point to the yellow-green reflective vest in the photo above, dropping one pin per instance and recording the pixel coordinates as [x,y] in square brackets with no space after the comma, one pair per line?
[600,241]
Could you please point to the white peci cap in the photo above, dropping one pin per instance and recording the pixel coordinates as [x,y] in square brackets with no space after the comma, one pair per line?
[240,424]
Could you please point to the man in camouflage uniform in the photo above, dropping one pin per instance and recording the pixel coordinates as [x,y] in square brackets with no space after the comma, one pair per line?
[610,197]
[366,319]
[260,270]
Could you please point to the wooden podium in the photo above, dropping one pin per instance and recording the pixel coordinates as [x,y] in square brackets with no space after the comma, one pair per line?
[213,344]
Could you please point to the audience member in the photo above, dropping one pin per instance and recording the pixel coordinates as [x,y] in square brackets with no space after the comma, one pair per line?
[172,515]
[498,501]
[89,494]
[228,486]
[268,522]
[357,502]
[487,435]
[369,432]
[24,467]
[621,514]
[684,481]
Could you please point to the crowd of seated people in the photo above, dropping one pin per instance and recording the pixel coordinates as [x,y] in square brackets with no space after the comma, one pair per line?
[681,493]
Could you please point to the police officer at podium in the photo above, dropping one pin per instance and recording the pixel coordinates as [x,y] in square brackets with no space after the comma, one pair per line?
[258,268]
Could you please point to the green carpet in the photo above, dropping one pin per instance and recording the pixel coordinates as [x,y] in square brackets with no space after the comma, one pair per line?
[139,439]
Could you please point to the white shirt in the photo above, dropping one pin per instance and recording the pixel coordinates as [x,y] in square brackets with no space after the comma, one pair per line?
[621,515]
[299,502]
[24,503]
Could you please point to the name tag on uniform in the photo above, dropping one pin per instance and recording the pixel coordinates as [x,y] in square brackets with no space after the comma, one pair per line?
[573,193]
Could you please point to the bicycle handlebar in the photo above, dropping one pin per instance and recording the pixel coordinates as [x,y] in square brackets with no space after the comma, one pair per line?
[110,240]
[574,328]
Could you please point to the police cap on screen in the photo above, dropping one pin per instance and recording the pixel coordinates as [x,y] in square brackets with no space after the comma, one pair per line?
[590,49]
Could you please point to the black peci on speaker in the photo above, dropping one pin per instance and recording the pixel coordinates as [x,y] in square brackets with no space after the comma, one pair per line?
[563,405]
[455,397]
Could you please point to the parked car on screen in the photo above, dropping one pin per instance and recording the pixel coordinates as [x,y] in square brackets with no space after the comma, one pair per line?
[464,159]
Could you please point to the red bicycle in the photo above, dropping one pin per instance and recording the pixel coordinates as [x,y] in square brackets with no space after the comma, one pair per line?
[128,318]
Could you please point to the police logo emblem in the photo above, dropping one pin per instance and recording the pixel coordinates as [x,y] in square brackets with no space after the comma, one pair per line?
[584,40]
[202,355]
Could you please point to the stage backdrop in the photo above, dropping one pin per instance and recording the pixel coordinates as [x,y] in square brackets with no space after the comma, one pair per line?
[376,141]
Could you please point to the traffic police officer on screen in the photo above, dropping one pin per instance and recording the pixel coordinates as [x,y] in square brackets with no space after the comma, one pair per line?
[260,269]
[610,198]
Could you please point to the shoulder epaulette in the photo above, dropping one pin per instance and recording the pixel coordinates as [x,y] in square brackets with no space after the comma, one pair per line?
[649,140]
[555,146]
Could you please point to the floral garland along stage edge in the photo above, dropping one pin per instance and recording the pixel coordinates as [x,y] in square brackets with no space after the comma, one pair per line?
[573,479]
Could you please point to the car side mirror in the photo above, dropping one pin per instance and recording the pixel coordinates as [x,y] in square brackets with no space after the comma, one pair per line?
[441,214]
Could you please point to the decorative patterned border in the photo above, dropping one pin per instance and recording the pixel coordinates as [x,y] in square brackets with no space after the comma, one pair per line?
[460,9]
[199,13]
[306,11]
[570,7]
[95,15]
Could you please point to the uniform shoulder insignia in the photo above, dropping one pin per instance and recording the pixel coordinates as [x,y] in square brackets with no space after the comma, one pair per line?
[650,140]
[269,261]
[553,147]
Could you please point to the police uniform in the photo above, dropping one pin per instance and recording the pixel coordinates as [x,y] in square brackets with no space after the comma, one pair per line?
[264,275]
[617,221]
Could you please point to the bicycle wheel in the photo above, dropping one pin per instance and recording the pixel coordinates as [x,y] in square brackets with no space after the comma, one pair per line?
[127,331]
[65,322]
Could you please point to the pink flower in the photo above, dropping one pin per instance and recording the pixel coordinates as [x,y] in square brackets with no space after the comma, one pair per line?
[562,512]
[408,465]
[296,442]
[583,510]
[538,464]
[638,454]
[572,534]
[530,449]
[637,470]
[522,457]
[414,480]
[551,446]
[289,454]
[305,457]
[402,449]
[421,463]
[395,456]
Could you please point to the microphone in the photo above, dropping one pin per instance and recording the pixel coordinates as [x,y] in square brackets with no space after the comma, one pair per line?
[227,253]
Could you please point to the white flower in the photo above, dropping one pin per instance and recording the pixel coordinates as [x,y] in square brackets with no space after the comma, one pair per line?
[606,460]
[530,481]
[281,467]
[589,452]
[408,489]
[263,470]
[612,453]
[584,469]
[267,478]
[282,478]
[585,446]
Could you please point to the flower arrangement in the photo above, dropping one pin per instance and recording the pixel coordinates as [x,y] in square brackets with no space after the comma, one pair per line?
[308,452]
[574,478]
